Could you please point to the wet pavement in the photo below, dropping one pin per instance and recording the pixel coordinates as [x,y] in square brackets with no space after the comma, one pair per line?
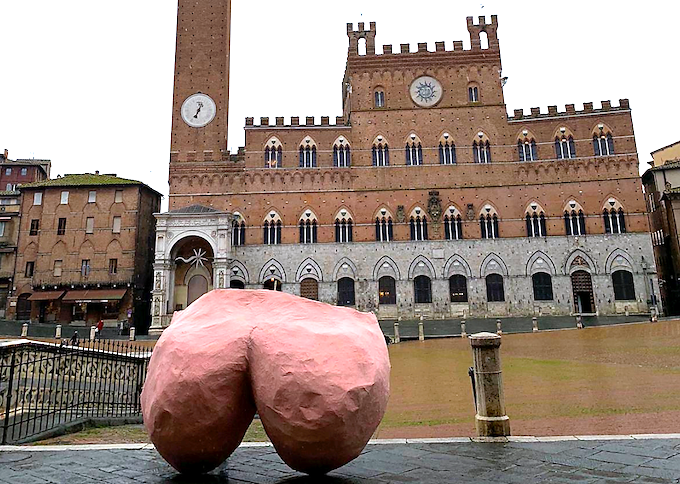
[527,460]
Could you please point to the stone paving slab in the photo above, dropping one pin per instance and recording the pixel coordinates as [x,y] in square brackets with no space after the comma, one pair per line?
[518,460]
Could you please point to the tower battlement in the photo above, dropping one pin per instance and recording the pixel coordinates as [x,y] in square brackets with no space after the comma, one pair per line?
[475,30]
[361,33]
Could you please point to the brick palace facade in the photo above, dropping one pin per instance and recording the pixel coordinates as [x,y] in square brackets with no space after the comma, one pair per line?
[424,198]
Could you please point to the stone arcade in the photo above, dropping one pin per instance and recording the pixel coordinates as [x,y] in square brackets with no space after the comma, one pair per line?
[423,198]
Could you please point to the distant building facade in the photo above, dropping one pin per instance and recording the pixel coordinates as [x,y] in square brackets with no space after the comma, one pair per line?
[662,190]
[423,198]
[86,250]
[13,173]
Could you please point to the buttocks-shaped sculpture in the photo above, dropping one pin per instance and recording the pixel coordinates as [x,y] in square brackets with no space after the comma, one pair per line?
[318,376]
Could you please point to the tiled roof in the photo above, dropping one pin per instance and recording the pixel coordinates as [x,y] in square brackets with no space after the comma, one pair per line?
[10,193]
[82,180]
[667,165]
[194,209]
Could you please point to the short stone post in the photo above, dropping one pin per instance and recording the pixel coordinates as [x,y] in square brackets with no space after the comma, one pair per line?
[654,316]
[490,420]
[579,322]
[463,333]
[499,327]
[627,311]
[421,331]
[57,333]
[397,338]
[534,323]
[24,330]
[133,335]
[93,333]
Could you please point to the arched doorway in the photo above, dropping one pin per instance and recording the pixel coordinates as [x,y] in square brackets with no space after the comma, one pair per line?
[346,295]
[309,288]
[387,291]
[236,284]
[584,297]
[24,307]
[272,284]
[197,287]
[193,275]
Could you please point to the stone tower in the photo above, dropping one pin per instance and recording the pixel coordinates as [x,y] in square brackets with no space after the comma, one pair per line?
[199,128]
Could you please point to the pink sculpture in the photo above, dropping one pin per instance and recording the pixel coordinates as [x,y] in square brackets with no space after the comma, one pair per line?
[318,376]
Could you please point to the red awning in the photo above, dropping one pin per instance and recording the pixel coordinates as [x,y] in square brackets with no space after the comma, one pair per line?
[95,295]
[46,296]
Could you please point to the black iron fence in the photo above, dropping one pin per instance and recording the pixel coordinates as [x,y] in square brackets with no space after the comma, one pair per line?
[44,387]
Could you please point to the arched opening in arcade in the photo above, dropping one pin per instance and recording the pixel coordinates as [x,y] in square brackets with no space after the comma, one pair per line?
[584,297]
[193,274]
[272,284]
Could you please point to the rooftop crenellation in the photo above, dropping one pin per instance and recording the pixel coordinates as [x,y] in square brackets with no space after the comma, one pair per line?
[570,110]
[309,122]
[475,30]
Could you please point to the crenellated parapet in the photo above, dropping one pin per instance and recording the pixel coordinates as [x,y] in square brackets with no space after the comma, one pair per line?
[309,122]
[570,110]
[476,30]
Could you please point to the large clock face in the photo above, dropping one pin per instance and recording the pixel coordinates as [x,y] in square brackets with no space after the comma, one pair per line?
[198,110]
[426,91]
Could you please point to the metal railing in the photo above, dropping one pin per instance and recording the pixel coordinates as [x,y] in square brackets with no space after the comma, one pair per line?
[45,387]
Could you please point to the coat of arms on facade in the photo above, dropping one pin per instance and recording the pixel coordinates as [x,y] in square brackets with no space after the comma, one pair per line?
[401,214]
[434,206]
[470,212]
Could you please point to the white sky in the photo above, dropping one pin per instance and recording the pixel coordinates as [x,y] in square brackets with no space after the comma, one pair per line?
[88,84]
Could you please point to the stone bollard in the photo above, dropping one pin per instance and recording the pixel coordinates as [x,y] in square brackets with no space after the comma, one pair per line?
[397,338]
[57,333]
[463,333]
[534,322]
[579,322]
[627,311]
[490,420]
[499,327]
[93,333]
[421,331]
[24,330]
[132,333]
[654,316]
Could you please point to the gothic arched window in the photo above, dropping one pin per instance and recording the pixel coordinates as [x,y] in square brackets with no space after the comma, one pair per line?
[272,229]
[380,152]
[453,224]
[574,219]
[488,223]
[308,153]
[273,154]
[343,227]
[308,228]
[447,150]
[383,227]
[342,154]
[414,151]
[481,150]
[418,224]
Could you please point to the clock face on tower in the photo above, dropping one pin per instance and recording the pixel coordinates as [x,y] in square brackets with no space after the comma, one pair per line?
[426,91]
[198,110]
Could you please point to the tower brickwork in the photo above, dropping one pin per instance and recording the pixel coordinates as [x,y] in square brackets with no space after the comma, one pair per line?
[201,66]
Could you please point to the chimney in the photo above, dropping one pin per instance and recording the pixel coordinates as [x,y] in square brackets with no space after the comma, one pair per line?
[96,172]
[6,155]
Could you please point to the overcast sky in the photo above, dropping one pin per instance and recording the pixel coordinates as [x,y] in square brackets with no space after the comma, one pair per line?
[88,84]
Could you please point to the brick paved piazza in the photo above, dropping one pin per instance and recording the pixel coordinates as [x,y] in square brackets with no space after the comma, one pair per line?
[521,460]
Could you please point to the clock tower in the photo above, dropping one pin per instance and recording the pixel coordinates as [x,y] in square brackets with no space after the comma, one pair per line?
[201,93]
